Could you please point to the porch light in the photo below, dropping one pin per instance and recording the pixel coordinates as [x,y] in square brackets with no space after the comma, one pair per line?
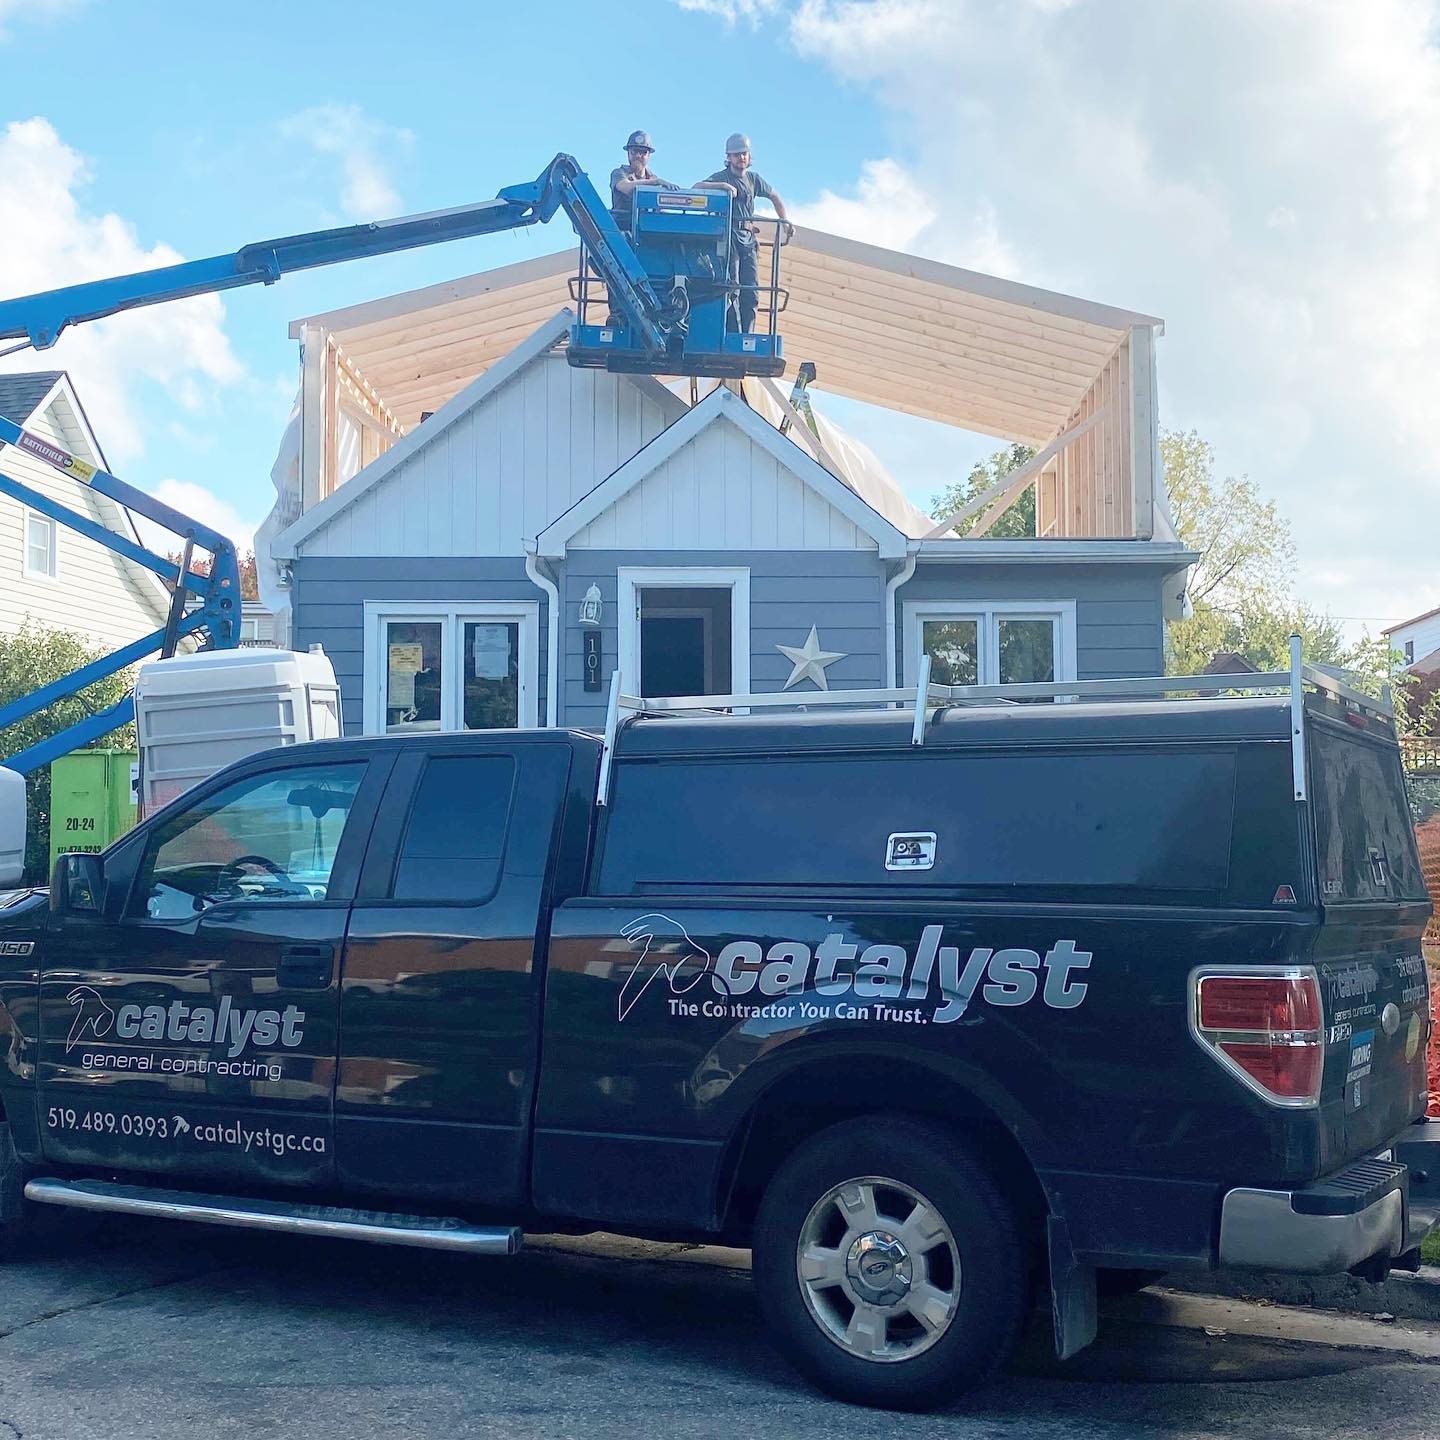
[590,606]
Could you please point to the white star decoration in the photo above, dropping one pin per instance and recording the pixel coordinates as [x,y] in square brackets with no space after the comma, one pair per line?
[809,661]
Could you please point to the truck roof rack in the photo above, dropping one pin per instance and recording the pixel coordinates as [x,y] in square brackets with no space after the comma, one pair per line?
[927,696]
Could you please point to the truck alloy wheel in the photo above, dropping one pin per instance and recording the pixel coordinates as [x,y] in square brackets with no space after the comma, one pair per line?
[890,1264]
[879,1268]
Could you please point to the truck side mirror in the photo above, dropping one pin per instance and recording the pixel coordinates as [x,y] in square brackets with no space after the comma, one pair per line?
[77,885]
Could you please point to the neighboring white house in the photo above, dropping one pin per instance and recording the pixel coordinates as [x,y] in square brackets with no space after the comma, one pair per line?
[50,573]
[1417,640]
[257,625]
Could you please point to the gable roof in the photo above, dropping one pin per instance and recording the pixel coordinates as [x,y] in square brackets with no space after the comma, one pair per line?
[539,343]
[1413,620]
[987,354]
[720,407]
[22,395]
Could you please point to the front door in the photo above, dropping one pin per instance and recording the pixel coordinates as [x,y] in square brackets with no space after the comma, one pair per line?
[685,640]
[190,1026]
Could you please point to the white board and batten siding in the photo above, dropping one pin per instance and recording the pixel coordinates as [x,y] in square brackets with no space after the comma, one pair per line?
[501,471]
[721,491]
[94,593]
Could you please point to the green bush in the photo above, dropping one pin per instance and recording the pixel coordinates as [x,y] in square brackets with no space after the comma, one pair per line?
[36,656]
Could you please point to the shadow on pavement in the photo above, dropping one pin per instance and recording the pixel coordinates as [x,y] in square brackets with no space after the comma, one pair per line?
[322,1330]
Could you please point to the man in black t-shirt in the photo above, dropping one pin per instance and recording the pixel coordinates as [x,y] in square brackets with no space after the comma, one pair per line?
[745,186]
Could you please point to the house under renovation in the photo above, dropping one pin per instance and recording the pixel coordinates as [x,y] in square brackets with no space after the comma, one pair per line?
[479,534]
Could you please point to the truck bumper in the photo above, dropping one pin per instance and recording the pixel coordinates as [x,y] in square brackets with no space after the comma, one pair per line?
[1376,1208]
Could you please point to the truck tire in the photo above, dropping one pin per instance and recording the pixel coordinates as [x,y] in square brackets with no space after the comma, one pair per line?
[889,1264]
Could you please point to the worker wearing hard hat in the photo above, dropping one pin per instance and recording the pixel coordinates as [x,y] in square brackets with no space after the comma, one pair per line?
[636,171]
[745,186]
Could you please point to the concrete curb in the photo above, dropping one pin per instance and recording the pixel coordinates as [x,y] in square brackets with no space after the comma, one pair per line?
[1413,1297]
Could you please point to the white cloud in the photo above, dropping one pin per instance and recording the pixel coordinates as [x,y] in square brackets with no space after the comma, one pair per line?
[49,239]
[752,11]
[31,10]
[1263,174]
[200,504]
[892,209]
[366,149]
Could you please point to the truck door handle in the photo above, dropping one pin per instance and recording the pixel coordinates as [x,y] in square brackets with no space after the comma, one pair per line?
[305,967]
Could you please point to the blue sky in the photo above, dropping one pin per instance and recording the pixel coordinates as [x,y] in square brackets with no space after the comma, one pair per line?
[1263,175]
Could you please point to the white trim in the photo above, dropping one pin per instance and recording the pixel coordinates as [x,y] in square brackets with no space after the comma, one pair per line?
[631,579]
[53,573]
[721,404]
[1058,552]
[451,616]
[988,614]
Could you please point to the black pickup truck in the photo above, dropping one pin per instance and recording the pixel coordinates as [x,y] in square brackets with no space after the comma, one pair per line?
[940,1016]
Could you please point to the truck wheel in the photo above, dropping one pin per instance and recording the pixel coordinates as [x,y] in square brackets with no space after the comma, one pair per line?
[889,1264]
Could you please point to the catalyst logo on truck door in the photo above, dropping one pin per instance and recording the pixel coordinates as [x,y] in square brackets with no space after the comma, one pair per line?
[789,980]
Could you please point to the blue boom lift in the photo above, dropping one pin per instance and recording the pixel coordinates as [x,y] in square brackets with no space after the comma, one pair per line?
[666,293]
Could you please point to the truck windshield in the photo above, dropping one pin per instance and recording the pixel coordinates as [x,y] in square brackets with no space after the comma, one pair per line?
[1365,842]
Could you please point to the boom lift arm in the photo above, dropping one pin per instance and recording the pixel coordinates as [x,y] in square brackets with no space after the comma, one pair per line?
[39,320]
[218,613]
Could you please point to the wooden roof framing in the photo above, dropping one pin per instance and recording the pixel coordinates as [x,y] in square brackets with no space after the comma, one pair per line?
[909,334]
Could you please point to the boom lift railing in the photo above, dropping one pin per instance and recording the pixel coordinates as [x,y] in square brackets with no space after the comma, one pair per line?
[927,698]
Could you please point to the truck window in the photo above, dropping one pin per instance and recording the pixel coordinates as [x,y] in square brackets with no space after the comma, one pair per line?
[1362,823]
[454,842]
[1147,820]
[267,837]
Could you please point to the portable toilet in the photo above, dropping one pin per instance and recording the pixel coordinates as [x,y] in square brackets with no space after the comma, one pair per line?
[195,714]
[12,827]
[92,800]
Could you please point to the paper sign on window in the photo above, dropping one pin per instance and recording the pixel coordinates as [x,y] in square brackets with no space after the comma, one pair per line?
[406,660]
[492,652]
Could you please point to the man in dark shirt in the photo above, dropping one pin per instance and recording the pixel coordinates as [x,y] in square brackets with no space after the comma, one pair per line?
[636,171]
[745,186]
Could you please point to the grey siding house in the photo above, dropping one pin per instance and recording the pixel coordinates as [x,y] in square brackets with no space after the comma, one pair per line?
[492,560]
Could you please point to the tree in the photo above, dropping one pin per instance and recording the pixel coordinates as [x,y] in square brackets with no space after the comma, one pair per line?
[1017,523]
[249,580]
[36,656]
[1241,587]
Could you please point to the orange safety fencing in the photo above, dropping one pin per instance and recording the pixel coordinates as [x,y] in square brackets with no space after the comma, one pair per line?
[1427,835]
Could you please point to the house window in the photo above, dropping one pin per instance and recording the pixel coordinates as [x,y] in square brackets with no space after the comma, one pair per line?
[41,545]
[991,643]
[461,666]
[1409,652]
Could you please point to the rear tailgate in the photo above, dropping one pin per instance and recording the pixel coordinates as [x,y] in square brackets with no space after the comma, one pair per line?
[1368,952]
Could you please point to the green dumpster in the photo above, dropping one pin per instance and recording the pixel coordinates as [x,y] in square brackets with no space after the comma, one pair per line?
[92,799]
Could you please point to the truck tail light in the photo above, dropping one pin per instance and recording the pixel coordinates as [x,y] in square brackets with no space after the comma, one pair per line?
[1266,1027]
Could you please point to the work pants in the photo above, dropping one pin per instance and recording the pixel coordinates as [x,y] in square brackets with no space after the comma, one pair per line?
[745,272]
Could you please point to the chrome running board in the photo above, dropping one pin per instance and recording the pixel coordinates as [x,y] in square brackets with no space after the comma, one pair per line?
[426,1232]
